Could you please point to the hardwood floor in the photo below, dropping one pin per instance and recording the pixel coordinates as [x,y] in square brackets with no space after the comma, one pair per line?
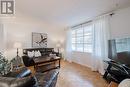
[75,75]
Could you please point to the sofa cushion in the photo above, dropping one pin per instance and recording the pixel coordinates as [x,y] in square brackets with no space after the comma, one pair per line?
[37,53]
[31,54]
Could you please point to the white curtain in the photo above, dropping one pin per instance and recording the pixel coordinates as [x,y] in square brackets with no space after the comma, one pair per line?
[101,35]
[68,48]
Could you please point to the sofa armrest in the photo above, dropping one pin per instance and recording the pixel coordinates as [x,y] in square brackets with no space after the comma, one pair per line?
[47,79]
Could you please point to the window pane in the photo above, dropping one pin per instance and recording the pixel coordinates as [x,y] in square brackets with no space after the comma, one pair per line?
[88,34]
[79,35]
[87,48]
[87,39]
[88,30]
[79,40]
[79,47]
[79,32]
[73,40]
[73,47]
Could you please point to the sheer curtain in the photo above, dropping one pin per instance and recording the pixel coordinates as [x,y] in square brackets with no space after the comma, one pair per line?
[68,48]
[101,35]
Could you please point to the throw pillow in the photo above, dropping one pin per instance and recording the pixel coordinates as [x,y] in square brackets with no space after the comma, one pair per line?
[37,53]
[52,55]
[31,54]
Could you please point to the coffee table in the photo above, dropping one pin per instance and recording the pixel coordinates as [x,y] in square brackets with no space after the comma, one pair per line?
[47,63]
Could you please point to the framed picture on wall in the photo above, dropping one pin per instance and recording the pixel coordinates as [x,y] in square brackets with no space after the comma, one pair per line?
[39,40]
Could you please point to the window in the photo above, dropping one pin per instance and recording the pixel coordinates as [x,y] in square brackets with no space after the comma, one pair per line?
[82,38]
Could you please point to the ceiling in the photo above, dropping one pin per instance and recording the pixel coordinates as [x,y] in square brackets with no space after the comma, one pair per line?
[68,12]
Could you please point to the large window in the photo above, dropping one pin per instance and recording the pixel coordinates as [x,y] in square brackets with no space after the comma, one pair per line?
[82,38]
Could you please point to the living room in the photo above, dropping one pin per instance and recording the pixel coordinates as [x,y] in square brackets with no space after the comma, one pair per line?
[79,37]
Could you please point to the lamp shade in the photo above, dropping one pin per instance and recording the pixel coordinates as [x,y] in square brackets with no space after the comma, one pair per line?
[17,45]
[58,45]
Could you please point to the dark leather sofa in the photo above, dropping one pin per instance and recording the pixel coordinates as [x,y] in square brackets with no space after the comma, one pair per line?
[29,61]
[43,51]
[25,79]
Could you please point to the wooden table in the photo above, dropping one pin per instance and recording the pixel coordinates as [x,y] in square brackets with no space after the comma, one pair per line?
[47,60]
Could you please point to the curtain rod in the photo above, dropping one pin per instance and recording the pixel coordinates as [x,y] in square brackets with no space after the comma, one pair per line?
[110,13]
[82,23]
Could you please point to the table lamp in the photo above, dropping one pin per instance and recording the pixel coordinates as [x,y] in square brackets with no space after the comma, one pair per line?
[17,61]
[58,45]
[17,45]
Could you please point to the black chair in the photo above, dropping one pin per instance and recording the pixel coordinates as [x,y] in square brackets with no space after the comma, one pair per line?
[28,61]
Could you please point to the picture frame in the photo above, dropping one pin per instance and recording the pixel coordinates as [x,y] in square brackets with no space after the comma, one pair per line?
[39,40]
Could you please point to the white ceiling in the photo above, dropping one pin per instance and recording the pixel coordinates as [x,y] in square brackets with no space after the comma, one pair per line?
[68,12]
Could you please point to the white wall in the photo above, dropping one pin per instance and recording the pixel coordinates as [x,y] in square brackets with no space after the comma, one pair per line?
[120,27]
[120,23]
[19,29]
[1,38]
[82,58]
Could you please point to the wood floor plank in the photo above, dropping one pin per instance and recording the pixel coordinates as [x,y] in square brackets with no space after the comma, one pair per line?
[75,75]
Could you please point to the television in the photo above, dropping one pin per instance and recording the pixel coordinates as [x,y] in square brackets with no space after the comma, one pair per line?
[119,50]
